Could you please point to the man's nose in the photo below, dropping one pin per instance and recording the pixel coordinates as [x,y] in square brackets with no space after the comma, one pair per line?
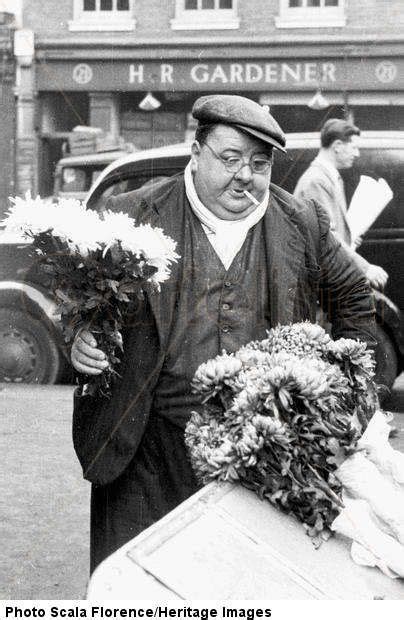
[244,173]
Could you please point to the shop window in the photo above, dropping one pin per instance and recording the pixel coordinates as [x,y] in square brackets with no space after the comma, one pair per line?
[311,14]
[205,14]
[107,15]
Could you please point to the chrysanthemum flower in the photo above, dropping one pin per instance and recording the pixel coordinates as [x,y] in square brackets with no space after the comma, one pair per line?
[287,411]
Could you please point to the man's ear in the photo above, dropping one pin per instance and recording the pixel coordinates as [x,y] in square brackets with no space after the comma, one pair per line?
[195,152]
[336,145]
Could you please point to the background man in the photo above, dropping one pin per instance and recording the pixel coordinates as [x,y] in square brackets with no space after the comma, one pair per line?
[322,182]
[246,265]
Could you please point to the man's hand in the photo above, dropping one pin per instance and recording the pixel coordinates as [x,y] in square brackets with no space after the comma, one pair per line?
[85,356]
[377,277]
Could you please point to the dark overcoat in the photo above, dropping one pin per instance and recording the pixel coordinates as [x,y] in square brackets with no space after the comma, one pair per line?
[305,263]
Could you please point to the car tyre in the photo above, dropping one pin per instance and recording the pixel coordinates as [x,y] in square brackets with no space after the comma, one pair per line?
[28,354]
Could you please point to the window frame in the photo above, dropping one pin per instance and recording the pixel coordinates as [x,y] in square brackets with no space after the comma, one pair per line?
[207,19]
[108,21]
[311,17]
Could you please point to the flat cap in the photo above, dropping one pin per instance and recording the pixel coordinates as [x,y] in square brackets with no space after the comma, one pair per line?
[240,112]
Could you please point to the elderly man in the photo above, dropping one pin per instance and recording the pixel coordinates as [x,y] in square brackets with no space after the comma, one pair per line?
[322,182]
[251,257]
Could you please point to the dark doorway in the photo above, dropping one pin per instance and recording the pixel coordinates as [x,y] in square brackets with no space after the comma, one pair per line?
[50,152]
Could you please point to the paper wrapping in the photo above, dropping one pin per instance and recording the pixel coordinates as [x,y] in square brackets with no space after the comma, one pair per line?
[368,201]
[373,495]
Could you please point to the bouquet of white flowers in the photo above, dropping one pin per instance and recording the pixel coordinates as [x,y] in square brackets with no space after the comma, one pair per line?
[280,415]
[99,267]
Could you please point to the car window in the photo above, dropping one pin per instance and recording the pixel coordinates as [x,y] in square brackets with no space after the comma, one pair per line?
[118,186]
[289,167]
[79,178]
[133,176]
[74,180]
[94,175]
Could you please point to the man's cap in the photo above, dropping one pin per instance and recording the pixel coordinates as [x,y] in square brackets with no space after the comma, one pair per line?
[240,112]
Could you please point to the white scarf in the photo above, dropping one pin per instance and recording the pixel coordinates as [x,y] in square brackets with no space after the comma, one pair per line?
[226,236]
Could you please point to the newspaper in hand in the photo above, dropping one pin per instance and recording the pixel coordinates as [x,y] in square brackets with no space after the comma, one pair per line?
[368,201]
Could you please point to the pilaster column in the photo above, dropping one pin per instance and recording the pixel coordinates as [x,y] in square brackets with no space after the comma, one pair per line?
[7,112]
[26,143]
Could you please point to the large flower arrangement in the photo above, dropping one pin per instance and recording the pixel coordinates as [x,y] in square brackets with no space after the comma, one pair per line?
[99,267]
[280,415]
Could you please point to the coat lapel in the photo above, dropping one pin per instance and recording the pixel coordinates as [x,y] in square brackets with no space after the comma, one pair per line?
[167,212]
[285,248]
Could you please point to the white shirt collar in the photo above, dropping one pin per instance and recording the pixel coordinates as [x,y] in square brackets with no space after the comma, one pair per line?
[226,236]
[209,219]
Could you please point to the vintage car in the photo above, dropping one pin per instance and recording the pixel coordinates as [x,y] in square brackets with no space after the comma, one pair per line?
[32,348]
[75,174]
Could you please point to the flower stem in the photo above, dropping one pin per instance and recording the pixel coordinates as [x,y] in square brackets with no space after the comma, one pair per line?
[326,488]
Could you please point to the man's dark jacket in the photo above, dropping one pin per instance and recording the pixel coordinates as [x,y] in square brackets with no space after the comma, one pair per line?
[305,264]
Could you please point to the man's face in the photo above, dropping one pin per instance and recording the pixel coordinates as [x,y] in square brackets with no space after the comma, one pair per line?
[220,189]
[346,152]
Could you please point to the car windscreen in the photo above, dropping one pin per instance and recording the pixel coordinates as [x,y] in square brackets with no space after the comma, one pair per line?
[79,178]
[288,167]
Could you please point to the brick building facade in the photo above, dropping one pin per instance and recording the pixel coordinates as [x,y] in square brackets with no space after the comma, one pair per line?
[95,61]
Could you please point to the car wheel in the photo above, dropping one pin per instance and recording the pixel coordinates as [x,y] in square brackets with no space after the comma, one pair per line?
[386,359]
[28,353]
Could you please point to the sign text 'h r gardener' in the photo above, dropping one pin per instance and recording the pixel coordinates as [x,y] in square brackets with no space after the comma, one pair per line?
[243,73]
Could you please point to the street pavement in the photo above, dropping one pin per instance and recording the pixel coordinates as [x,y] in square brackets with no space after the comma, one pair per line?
[44,505]
[44,502]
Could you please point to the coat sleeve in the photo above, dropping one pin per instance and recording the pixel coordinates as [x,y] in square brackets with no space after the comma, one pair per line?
[319,193]
[344,293]
[128,203]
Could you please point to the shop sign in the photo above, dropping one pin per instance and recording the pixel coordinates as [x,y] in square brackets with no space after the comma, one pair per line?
[339,74]
[82,73]
[237,73]
[386,71]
